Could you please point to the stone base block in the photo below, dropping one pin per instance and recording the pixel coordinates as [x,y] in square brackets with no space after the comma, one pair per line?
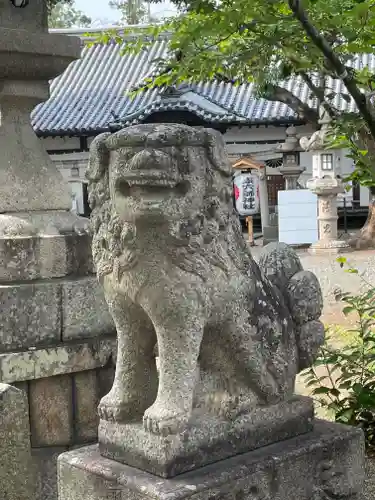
[327,463]
[329,247]
[270,234]
[207,439]
[17,471]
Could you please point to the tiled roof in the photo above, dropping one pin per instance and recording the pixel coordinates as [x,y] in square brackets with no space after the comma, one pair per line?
[91,94]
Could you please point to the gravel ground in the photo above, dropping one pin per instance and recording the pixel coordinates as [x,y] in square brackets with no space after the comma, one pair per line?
[369,489]
[332,278]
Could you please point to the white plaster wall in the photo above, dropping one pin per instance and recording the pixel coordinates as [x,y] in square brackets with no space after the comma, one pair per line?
[77,196]
[364,196]
[297,213]
[261,133]
[51,143]
[65,163]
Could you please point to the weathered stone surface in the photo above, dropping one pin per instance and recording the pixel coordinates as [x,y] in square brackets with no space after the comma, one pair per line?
[40,313]
[106,377]
[17,475]
[24,387]
[302,293]
[30,315]
[305,297]
[310,337]
[29,58]
[279,262]
[270,234]
[174,266]
[79,255]
[51,411]
[40,363]
[85,312]
[327,187]
[326,463]
[38,233]
[86,407]
[45,460]
[37,255]
[208,439]
[45,225]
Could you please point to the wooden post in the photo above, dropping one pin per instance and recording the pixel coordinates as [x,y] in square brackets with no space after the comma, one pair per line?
[250,230]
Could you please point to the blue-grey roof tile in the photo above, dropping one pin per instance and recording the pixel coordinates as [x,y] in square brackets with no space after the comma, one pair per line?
[92,94]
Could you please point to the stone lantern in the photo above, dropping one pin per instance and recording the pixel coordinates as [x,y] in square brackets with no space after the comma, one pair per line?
[29,58]
[326,183]
[290,149]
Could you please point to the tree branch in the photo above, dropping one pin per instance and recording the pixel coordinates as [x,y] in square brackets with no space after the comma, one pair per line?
[277,93]
[341,71]
[319,93]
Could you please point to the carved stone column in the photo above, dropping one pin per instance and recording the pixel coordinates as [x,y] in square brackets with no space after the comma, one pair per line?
[327,217]
[327,191]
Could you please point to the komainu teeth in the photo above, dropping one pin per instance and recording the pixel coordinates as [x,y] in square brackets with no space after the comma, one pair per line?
[151,182]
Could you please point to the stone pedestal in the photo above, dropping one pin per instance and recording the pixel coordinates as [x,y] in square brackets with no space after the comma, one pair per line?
[206,440]
[326,463]
[291,175]
[17,474]
[327,191]
[271,232]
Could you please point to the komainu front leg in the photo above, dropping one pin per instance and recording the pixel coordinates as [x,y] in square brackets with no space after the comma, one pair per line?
[135,384]
[179,345]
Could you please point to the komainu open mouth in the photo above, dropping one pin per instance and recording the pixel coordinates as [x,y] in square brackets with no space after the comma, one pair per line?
[146,186]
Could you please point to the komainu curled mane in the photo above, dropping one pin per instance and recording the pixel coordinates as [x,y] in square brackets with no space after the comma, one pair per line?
[178,274]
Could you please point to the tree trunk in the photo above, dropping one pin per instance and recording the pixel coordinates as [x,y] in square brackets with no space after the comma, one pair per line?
[366,237]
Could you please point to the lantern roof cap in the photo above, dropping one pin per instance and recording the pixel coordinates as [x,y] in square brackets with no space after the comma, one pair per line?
[247,163]
[291,143]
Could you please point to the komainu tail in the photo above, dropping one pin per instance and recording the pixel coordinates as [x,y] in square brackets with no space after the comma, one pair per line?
[302,293]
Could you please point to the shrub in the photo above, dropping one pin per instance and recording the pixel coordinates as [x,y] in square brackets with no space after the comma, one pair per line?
[346,388]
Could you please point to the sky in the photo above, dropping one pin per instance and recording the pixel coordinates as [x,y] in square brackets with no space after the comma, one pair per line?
[99,10]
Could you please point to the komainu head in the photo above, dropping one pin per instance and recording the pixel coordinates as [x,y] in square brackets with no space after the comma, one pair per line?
[158,174]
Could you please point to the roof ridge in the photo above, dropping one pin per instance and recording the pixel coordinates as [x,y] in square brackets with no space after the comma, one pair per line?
[180,104]
[217,102]
[89,34]
[100,29]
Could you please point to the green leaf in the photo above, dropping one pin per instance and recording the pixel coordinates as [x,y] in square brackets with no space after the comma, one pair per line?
[347,310]
[321,390]
[351,271]
[345,385]
[345,416]
[341,260]
[335,392]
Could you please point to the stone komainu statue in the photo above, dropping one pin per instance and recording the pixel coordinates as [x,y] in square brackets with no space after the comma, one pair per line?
[178,274]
